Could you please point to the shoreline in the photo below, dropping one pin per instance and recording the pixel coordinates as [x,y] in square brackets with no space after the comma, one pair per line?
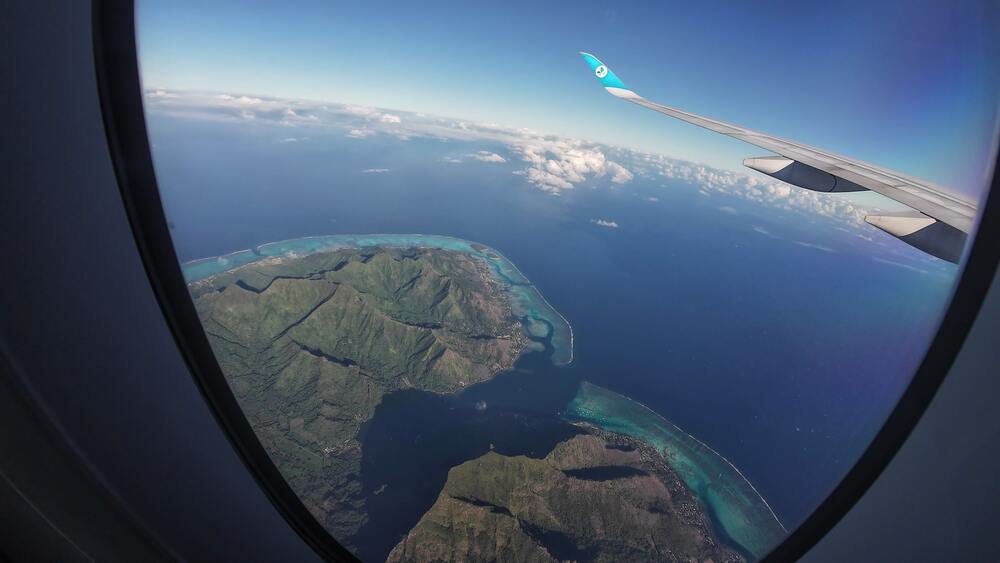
[572,343]
[209,258]
[722,457]
[706,446]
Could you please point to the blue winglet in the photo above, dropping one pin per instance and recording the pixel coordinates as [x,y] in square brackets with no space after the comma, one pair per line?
[607,78]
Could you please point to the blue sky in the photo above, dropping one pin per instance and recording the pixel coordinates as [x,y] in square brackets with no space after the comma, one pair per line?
[908,85]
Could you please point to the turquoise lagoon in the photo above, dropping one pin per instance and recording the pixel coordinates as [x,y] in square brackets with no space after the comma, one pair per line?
[538,317]
[735,506]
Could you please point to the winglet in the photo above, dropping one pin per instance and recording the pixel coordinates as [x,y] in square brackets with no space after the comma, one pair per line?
[608,79]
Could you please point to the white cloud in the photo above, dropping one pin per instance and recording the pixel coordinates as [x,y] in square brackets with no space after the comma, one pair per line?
[241,100]
[363,111]
[551,163]
[360,133]
[605,223]
[372,114]
[374,170]
[815,246]
[763,191]
[619,174]
[652,199]
[486,156]
[728,209]
[560,164]
[288,140]
[900,265]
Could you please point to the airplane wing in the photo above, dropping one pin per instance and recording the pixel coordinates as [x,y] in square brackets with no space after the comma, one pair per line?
[939,223]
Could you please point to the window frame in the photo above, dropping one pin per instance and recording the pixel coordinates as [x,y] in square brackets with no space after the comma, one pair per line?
[120,92]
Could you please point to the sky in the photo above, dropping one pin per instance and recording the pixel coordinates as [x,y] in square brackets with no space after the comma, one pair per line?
[907,85]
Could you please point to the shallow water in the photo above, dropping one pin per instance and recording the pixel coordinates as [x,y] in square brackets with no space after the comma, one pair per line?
[733,503]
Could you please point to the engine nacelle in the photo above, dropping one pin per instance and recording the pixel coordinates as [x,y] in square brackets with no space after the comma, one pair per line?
[801,175]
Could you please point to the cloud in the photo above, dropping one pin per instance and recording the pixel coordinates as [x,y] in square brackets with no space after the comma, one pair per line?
[559,164]
[241,100]
[360,133]
[815,246]
[729,209]
[652,199]
[288,140]
[374,170]
[551,163]
[198,105]
[486,156]
[605,223]
[900,265]
[760,190]
[371,114]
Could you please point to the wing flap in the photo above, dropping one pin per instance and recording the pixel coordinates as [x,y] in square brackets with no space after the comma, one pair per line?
[925,233]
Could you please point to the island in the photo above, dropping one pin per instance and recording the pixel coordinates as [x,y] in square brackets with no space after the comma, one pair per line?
[598,496]
[310,344]
[351,355]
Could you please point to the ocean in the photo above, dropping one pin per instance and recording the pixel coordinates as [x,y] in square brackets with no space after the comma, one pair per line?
[779,339]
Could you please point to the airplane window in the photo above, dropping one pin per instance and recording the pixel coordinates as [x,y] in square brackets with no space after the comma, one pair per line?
[600,283]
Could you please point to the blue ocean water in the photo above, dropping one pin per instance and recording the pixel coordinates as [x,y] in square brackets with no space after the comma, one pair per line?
[780,339]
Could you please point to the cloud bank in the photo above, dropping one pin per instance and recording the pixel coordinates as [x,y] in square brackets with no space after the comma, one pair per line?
[550,163]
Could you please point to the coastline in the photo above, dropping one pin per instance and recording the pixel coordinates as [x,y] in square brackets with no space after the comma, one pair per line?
[572,342]
[731,500]
[720,456]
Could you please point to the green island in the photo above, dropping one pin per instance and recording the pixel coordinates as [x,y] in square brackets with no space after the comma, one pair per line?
[314,334]
[526,301]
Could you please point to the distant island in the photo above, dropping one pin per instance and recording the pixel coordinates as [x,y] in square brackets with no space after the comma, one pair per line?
[317,336]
